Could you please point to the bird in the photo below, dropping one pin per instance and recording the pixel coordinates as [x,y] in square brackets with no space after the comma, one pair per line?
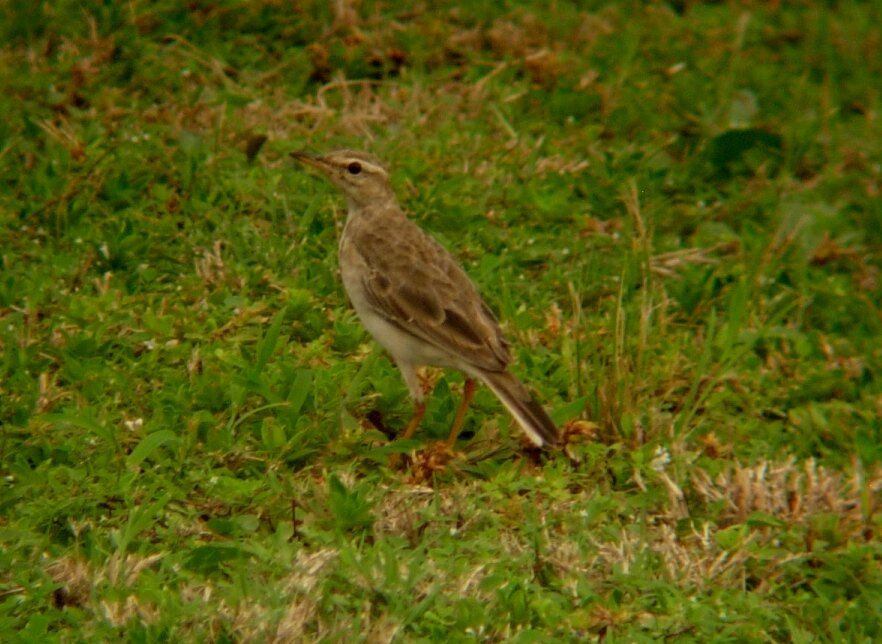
[417,302]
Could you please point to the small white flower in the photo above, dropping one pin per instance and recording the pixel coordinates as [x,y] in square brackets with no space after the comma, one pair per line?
[661,459]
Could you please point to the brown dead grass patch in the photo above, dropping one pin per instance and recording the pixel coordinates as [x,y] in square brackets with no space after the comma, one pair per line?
[77,579]
[308,570]
[790,491]
[794,493]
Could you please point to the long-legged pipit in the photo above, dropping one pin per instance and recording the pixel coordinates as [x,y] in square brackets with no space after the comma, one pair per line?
[416,301]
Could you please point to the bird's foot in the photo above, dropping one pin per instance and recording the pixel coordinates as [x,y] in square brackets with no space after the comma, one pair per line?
[427,462]
[400,461]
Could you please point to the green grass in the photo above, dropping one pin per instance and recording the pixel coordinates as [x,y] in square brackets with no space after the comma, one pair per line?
[674,208]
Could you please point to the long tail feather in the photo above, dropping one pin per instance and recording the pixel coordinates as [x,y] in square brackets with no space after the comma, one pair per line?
[531,416]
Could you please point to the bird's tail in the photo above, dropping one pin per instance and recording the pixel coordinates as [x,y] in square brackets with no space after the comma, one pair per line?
[523,406]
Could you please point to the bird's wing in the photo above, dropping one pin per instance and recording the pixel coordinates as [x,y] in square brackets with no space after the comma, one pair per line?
[414,283]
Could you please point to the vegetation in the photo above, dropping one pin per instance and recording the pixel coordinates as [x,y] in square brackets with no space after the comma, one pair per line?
[674,208]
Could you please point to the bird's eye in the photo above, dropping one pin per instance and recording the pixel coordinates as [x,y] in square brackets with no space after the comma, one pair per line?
[354,167]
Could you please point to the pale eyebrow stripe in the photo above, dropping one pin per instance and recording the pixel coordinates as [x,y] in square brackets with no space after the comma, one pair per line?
[366,164]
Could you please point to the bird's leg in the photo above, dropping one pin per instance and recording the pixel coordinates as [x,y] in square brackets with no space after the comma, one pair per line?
[467,393]
[419,410]
[419,387]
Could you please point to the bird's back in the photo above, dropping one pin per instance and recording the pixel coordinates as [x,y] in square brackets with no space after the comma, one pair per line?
[413,281]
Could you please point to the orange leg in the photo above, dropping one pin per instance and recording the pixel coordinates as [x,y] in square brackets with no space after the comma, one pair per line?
[467,393]
[419,410]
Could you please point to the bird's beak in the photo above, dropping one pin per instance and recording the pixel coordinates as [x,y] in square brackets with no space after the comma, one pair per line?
[313,160]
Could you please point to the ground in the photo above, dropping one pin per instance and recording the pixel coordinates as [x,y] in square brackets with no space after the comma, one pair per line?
[674,208]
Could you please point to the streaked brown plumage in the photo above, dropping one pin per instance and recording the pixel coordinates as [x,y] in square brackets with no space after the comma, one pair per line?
[416,301]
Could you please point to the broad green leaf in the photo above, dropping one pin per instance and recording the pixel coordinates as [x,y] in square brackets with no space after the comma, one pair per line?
[149,444]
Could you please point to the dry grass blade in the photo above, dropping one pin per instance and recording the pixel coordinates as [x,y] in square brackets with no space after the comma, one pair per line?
[668,264]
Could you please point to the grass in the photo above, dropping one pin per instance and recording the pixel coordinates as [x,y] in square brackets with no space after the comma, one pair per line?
[674,207]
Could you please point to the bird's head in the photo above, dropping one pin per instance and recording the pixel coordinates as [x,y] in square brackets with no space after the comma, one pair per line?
[359,175]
